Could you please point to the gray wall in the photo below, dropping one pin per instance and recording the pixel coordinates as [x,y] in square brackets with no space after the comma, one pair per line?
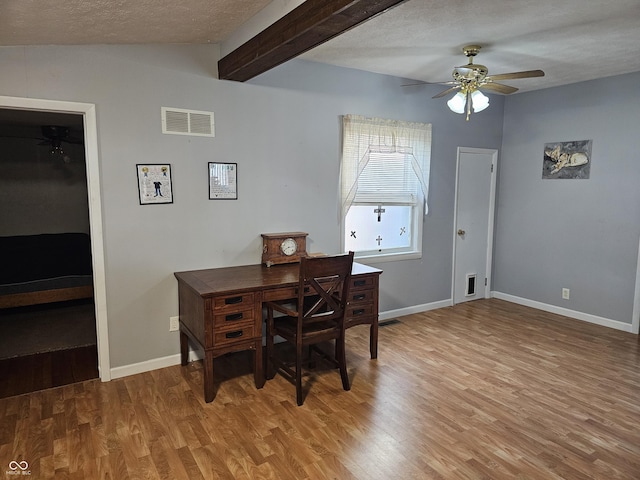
[283,131]
[40,193]
[338,91]
[578,234]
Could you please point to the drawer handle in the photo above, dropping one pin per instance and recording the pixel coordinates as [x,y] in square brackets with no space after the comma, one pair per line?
[233,334]
[306,290]
[233,316]
[359,311]
[362,296]
[233,300]
[359,283]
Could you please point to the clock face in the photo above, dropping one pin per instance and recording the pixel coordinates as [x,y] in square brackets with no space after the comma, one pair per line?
[283,247]
[289,246]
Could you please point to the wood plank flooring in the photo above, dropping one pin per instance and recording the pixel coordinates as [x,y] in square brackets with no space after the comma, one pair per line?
[484,390]
[46,370]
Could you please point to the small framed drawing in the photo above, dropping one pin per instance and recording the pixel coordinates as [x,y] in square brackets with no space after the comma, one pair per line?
[223,181]
[154,184]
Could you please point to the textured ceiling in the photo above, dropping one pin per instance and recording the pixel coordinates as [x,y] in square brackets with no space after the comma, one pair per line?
[80,22]
[571,40]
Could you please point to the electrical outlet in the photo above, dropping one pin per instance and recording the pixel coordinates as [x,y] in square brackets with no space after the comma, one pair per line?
[565,293]
[174,324]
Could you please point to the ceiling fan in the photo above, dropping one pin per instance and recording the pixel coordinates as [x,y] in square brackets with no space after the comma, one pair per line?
[469,79]
[55,135]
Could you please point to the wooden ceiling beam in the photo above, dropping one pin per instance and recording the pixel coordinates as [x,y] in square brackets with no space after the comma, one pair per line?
[305,27]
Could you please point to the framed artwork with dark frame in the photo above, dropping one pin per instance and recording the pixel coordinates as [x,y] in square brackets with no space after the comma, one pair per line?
[567,159]
[154,184]
[223,181]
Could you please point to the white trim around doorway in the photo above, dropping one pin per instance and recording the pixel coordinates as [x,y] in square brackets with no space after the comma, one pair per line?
[635,316]
[492,205]
[88,111]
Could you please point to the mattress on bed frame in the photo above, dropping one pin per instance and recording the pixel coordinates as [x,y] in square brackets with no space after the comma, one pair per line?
[44,268]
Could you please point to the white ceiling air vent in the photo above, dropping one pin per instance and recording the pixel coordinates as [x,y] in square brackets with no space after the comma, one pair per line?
[178,121]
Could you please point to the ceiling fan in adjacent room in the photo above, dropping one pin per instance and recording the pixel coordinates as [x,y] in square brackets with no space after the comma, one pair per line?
[469,79]
[55,136]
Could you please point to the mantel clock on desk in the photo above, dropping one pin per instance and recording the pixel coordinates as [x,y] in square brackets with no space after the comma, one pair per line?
[287,247]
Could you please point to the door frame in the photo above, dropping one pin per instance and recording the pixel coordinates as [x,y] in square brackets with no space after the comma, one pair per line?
[492,203]
[635,315]
[88,111]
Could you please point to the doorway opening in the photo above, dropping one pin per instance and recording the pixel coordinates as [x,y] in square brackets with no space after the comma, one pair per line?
[50,195]
[46,287]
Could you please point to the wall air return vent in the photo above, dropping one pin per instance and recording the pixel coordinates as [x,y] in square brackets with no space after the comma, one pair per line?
[178,121]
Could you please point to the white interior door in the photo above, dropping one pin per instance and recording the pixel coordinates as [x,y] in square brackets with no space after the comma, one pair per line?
[473,225]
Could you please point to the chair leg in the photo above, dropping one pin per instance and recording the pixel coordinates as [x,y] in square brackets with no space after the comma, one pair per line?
[269,370]
[311,361]
[299,398]
[342,362]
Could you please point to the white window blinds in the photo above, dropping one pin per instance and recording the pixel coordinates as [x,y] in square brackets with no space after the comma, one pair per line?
[384,160]
[387,177]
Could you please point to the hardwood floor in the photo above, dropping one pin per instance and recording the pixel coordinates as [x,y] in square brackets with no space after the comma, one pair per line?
[48,345]
[46,370]
[485,390]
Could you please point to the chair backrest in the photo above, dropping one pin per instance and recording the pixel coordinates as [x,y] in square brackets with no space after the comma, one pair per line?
[324,281]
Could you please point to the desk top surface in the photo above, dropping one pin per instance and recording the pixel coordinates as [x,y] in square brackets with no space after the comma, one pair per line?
[250,277]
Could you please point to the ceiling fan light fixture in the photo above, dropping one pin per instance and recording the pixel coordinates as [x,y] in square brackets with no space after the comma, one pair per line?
[469,78]
[479,101]
[457,102]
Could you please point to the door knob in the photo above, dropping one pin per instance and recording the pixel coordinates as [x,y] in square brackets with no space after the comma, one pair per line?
[461,232]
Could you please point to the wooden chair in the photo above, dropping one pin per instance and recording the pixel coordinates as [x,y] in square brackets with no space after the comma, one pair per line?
[316,316]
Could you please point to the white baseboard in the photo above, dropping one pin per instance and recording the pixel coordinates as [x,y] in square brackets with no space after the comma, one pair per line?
[425,307]
[586,317]
[148,365]
[156,363]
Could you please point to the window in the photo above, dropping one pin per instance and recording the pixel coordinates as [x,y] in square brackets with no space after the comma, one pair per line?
[384,181]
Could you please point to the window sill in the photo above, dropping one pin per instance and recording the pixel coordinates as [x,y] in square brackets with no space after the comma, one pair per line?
[391,257]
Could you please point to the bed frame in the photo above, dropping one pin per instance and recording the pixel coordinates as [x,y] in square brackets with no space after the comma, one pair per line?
[45,296]
[45,268]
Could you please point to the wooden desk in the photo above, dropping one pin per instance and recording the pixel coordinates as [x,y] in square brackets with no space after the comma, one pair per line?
[221,309]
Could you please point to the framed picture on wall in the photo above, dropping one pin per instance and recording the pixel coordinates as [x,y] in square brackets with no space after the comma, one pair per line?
[567,159]
[223,181]
[154,184]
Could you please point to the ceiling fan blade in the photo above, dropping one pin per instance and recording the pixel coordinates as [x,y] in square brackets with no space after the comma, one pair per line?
[524,74]
[499,88]
[446,92]
[451,82]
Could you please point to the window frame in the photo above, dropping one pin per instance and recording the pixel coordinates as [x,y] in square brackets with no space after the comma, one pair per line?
[420,163]
[390,255]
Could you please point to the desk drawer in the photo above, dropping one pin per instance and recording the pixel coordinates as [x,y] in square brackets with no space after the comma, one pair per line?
[227,319]
[357,297]
[362,282]
[281,294]
[360,285]
[243,332]
[357,311]
[240,301]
